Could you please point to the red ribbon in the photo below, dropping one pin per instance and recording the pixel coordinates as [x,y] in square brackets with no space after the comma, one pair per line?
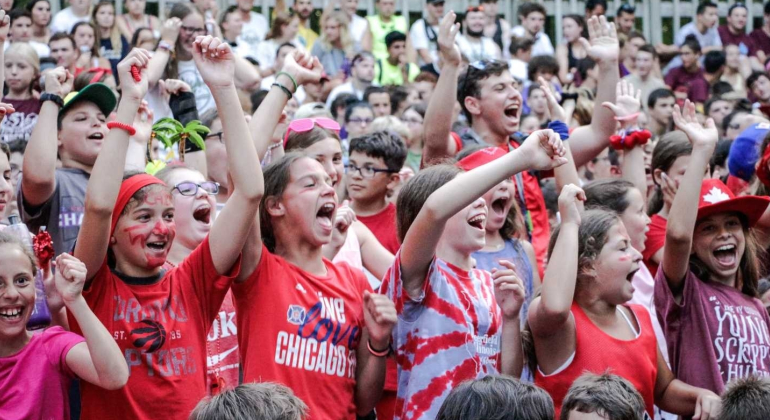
[98,73]
[128,188]
[631,140]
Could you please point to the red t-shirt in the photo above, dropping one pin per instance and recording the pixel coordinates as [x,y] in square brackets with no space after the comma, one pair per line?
[597,352]
[303,331]
[761,40]
[383,226]
[728,38]
[161,329]
[222,357]
[656,238]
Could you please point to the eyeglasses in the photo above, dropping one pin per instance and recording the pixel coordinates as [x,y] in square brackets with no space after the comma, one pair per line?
[412,121]
[218,135]
[367,171]
[357,120]
[192,30]
[189,188]
[306,124]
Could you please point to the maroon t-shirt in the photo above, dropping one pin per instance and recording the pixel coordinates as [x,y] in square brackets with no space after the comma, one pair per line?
[716,334]
[19,125]
[742,40]
[760,40]
[697,86]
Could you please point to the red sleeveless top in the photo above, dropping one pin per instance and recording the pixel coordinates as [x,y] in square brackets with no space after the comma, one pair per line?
[596,352]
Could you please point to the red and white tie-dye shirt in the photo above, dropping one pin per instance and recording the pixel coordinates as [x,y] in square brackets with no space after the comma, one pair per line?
[449,335]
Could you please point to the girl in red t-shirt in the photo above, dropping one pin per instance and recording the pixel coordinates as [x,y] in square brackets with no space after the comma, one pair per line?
[580,322]
[160,318]
[36,369]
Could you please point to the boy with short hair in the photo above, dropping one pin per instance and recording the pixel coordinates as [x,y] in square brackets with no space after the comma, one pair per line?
[264,401]
[396,69]
[372,173]
[21,31]
[532,17]
[746,399]
[660,107]
[379,98]
[496,397]
[602,397]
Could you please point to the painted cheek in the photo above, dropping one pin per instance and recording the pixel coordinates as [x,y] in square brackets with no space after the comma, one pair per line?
[134,234]
[160,229]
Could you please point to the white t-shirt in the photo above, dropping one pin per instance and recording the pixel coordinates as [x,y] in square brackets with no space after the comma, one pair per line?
[357,28]
[267,50]
[65,20]
[518,69]
[252,35]
[542,45]
[424,39]
[343,88]
[189,74]
[476,51]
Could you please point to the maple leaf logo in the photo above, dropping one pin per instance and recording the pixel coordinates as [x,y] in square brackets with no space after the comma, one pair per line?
[715,195]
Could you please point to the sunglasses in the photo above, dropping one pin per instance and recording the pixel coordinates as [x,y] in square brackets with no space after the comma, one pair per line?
[306,124]
[480,65]
[189,188]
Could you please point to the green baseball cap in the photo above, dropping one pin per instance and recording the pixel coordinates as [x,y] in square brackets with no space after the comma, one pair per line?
[97,93]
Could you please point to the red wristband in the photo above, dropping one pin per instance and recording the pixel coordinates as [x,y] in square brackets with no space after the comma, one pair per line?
[116,124]
[135,73]
[376,353]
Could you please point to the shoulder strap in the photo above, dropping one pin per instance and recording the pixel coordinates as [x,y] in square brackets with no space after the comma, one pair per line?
[379,66]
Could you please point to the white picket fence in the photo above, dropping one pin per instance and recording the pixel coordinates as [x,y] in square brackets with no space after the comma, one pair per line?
[650,13]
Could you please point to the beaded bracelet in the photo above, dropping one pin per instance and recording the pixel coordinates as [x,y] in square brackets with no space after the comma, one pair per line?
[284,89]
[377,353]
[293,80]
[125,127]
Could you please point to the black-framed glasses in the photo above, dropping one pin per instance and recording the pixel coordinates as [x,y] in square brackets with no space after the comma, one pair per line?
[217,135]
[189,188]
[366,171]
[193,30]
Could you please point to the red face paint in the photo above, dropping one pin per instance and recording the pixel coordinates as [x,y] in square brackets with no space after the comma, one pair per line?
[158,197]
[134,237]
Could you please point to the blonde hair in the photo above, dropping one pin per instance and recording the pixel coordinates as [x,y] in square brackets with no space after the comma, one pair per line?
[390,123]
[25,52]
[344,22]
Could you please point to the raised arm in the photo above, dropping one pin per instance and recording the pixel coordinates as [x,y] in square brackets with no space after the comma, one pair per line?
[98,360]
[438,142]
[587,142]
[684,209]
[542,150]
[549,314]
[246,76]
[39,166]
[5,26]
[626,110]
[107,174]
[567,173]
[169,35]
[216,64]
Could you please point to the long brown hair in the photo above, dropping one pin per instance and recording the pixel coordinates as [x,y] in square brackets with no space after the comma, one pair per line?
[115,36]
[277,176]
[300,141]
[416,191]
[280,20]
[668,149]
[180,10]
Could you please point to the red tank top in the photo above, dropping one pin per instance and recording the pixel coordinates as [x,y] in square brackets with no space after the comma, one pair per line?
[597,352]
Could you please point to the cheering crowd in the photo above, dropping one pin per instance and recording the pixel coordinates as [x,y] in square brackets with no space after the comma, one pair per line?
[227,215]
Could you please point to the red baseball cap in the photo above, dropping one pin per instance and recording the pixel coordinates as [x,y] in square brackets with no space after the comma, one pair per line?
[715,197]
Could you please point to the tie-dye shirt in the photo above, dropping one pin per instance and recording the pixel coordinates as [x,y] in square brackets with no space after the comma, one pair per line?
[450,334]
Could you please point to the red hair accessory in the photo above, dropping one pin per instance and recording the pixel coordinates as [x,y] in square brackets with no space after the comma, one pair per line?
[99,72]
[135,73]
[630,140]
[762,171]
[481,157]
[117,124]
[128,188]
[42,244]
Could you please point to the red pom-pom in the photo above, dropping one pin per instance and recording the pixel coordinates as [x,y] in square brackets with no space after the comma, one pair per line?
[42,244]
[616,142]
[135,73]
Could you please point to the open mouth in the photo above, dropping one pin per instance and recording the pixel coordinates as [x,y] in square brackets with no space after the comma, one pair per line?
[477,221]
[325,213]
[512,111]
[631,275]
[96,136]
[725,254]
[203,214]
[12,314]
[498,206]
[157,245]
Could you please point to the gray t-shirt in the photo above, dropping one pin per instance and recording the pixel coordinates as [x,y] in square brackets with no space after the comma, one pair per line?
[63,212]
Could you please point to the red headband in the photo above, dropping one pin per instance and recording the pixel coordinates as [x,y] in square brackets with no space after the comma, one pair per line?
[98,73]
[128,188]
[481,157]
